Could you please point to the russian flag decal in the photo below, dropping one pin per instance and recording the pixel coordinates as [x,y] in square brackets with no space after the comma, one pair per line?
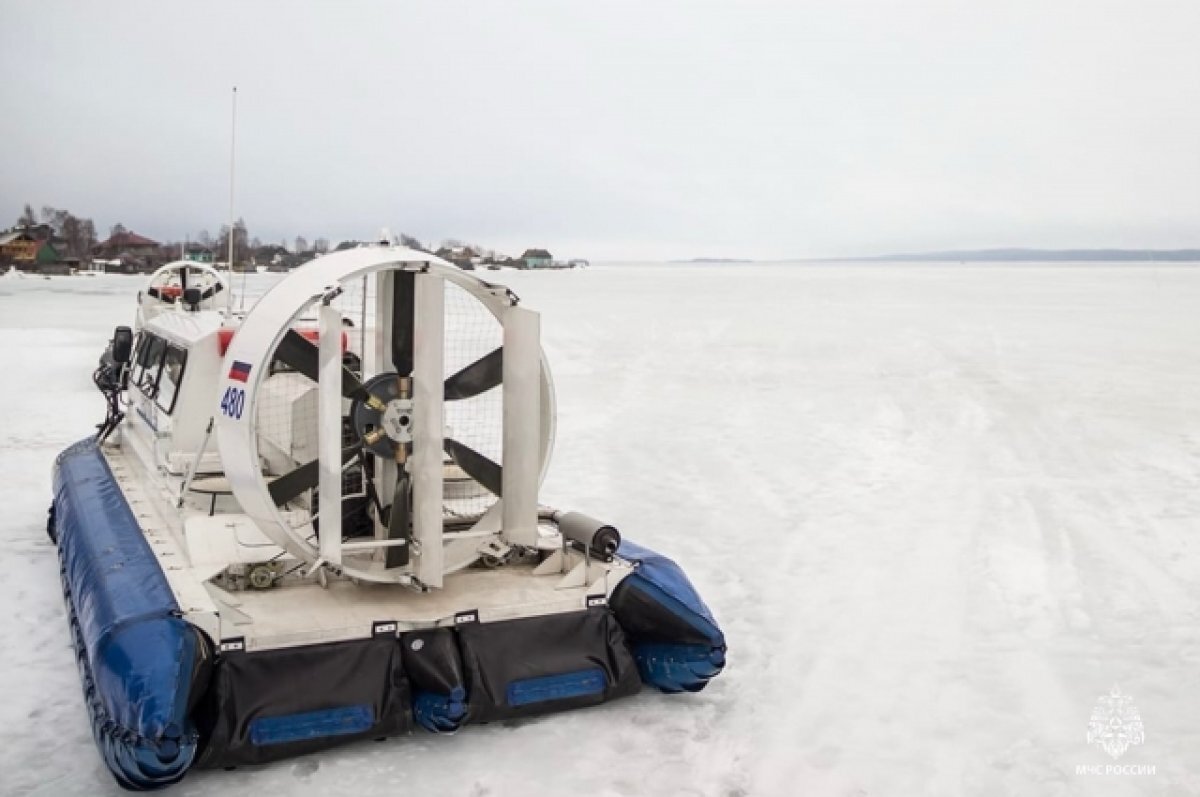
[240,371]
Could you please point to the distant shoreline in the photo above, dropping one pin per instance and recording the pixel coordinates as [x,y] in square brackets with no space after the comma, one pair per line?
[1014,255]
[715,260]
[1038,255]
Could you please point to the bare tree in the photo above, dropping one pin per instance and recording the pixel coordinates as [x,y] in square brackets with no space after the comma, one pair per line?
[72,232]
[60,222]
[87,232]
[240,242]
[117,229]
[27,218]
[204,239]
[301,244]
[222,243]
[321,246]
[410,242]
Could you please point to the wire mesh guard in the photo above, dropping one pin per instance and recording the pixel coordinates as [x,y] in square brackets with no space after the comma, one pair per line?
[471,333]
[286,414]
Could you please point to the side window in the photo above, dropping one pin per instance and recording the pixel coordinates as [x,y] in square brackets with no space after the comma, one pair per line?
[150,363]
[140,351]
[170,378]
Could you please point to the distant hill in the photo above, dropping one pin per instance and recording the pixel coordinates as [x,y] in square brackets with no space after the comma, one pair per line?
[1043,255]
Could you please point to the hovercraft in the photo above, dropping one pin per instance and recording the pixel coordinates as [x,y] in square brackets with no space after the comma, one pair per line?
[318,521]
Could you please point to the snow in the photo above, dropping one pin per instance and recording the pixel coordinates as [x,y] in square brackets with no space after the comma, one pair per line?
[939,510]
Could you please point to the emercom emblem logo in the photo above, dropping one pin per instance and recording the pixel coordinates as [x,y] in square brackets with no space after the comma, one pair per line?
[1115,724]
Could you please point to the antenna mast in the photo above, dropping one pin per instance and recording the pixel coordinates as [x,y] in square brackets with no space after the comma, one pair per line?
[232,161]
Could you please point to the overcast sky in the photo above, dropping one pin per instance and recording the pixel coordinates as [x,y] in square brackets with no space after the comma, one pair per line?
[615,130]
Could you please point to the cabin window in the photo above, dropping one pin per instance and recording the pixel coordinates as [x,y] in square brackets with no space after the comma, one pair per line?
[140,353]
[170,378]
[149,362]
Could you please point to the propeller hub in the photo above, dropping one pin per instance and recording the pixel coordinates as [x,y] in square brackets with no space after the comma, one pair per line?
[384,423]
[397,420]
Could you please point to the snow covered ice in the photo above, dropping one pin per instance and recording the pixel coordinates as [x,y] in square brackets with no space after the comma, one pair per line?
[938,510]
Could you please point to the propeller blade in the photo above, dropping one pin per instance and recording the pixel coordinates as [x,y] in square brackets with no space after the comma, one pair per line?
[475,465]
[305,477]
[300,354]
[403,304]
[398,519]
[478,377]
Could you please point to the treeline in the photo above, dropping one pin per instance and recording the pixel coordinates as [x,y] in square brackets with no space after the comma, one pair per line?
[77,235]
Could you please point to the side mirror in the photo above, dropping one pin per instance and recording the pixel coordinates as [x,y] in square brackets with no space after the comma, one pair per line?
[122,345]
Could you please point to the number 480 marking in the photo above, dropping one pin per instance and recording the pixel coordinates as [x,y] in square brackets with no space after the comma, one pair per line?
[233,402]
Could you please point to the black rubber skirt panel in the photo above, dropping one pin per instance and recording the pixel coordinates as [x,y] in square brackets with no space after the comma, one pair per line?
[266,705]
[519,668]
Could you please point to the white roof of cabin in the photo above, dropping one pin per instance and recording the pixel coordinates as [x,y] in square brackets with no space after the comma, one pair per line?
[185,328]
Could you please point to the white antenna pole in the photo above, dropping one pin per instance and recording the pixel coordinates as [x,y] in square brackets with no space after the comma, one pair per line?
[232,162]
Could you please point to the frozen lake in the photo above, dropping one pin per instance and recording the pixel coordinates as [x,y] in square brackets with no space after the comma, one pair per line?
[939,511]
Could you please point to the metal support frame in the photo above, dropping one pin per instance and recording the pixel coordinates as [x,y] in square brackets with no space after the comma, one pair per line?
[195,467]
[425,465]
[380,361]
[522,426]
[329,432]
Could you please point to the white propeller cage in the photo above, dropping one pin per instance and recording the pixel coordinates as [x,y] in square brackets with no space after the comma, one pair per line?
[168,275]
[528,415]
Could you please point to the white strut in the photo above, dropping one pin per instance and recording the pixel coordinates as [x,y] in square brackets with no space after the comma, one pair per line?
[329,432]
[425,464]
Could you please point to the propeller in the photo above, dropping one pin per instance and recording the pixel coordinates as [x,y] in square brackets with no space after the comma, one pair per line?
[484,374]
[475,465]
[404,298]
[305,477]
[300,354]
[478,377]
[398,519]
